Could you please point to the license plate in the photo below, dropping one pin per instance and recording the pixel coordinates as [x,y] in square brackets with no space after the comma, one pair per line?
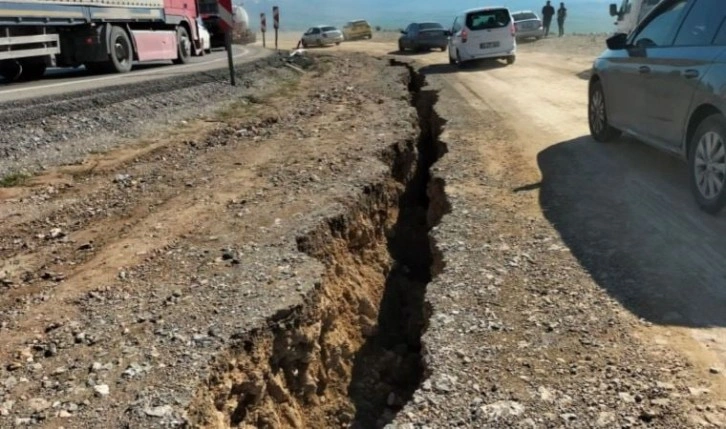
[489,45]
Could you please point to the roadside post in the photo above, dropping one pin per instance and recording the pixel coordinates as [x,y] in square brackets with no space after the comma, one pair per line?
[276,19]
[227,23]
[263,28]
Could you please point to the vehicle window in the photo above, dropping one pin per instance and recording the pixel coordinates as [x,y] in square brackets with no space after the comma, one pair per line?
[430,26]
[316,31]
[659,29]
[524,16]
[486,19]
[701,24]
[720,39]
[456,27]
[325,29]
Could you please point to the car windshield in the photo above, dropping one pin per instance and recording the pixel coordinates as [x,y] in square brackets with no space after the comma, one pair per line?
[430,26]
[524,16]
[485,19]
[328,29]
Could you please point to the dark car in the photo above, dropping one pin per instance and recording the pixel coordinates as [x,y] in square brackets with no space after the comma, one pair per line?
[665,84]
[423,36]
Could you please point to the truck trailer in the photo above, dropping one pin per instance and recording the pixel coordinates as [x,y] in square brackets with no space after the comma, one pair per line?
[102,35]
[209,11]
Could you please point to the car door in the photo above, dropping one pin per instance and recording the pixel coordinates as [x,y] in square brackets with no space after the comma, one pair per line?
[628,72]
[408,37]
[674,73]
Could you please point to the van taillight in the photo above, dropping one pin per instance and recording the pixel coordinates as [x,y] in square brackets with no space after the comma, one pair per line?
[464,35]
[513,29]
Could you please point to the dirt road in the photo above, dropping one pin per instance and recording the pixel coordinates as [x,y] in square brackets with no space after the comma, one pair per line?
[365,243]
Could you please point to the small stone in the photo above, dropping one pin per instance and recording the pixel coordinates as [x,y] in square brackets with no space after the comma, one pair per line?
[64,414]
[23,421]
[665,386]
[96,366]
[426,385]
[605,419]
[80,337]
[714,370]
[38,405]
[102,389]
[626,397]
[502,409]
[10,382]
[6,407]
[698,391]
[568,417]
[160,411]
[545,394]
[56,233]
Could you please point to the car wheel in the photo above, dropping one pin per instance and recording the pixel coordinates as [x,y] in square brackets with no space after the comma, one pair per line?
[304,44]
[597,115]
[511,59]
[443,49]
[400,47]
[707,162]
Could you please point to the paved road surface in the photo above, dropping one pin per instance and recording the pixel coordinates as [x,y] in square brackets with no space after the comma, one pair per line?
[60,81]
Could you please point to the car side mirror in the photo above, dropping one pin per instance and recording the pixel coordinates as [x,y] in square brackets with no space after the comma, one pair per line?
[617,42]
[403,31]
[613,9]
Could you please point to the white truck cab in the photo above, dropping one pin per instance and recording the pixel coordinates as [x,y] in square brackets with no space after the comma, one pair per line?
[630,13]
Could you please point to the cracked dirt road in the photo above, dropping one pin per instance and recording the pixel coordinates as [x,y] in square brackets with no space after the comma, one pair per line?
[367,245]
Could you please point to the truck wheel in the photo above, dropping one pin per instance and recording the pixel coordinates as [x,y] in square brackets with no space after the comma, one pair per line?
[33,69]
[10,70]
[184,50]
[122,52]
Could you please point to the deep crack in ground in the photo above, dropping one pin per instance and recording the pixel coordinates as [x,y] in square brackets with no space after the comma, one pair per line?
[352,354]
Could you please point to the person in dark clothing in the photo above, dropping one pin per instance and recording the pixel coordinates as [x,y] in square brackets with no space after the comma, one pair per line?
[561,15]
[547,13]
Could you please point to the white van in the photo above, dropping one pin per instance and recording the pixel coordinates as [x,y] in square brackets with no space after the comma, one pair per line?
[483,33]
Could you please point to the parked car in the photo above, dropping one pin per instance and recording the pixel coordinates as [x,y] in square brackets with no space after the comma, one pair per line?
[358,29]
[424,36]
[528,25]
[483,33]
[204,37]
[322,35]
[663,84]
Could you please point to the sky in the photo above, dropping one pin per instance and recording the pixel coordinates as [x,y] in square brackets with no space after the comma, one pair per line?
[584,16]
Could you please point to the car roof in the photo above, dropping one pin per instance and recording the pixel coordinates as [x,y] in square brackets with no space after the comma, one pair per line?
[479,9]
[522,11]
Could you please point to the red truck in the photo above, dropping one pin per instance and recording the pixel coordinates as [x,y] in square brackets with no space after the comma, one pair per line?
[102,35]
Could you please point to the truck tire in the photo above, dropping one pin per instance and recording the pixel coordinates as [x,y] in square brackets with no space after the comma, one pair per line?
[10,70]
[122,51]
[33,69]
[184,46]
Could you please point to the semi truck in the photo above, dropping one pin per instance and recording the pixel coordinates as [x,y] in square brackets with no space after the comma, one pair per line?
[102,35]
[630,13]
[209,12]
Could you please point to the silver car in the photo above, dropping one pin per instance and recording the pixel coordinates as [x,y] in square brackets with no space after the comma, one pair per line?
[528,25]
[322,35]
[665,84]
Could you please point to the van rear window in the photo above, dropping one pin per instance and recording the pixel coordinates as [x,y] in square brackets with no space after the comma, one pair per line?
[486,19]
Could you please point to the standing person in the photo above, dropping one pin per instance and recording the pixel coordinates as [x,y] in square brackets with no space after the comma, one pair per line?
[547,13]
[561,15]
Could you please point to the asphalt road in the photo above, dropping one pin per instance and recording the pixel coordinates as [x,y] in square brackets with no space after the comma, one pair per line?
[61,81]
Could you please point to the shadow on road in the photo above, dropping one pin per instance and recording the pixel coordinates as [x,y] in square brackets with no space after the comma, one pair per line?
[412,53]
[473,66]
[626,212]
